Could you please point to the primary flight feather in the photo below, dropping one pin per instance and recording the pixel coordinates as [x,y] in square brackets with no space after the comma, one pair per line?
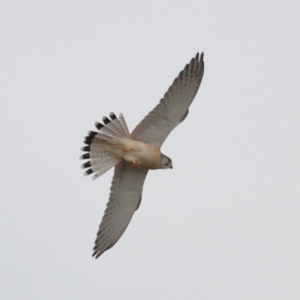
[133,155]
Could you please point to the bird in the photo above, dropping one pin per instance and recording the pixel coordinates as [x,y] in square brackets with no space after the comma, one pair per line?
[133,154]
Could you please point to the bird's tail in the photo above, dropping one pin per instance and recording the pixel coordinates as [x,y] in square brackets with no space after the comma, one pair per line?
[100,160]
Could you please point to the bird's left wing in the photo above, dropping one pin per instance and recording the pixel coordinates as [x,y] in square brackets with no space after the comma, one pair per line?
[174,106]
[124,200]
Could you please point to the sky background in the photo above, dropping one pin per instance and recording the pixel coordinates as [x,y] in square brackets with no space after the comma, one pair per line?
[224,223]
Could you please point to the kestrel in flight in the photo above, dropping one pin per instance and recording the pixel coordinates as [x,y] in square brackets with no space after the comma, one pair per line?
[133,155]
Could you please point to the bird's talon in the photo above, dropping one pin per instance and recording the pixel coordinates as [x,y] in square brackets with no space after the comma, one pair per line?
[137,164]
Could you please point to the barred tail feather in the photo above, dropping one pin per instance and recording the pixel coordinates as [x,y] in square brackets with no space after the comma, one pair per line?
[98,144]
[99,163]
[100,170]
[118,124]
[113,127]
[124,125]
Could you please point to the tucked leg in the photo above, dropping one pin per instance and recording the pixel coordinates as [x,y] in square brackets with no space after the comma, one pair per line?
[137,164]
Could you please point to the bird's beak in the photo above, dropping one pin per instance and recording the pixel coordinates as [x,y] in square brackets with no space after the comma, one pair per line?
[171,167]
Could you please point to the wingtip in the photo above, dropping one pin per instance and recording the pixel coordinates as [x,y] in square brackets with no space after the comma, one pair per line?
[96,254]
[199,57]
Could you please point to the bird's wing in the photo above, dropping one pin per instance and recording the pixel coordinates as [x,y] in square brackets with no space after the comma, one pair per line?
[173,107]
[124,200]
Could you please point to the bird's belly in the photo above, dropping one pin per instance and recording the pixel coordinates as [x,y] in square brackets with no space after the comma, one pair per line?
[147,155]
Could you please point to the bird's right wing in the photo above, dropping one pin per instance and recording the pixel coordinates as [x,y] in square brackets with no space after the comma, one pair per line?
[124,200]
[173,107]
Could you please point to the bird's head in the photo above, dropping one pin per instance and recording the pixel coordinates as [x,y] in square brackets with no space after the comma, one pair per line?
[166,162]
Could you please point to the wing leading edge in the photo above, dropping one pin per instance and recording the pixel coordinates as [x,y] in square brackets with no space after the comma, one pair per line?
[173,107]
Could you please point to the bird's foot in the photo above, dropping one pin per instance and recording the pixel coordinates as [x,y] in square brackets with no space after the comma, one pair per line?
[137,164]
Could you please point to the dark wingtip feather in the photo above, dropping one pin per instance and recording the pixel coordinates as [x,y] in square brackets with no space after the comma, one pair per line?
[192,65]
[202,63]
[202,56]
[180,75]
[199,63]
[186,69]
[97,253]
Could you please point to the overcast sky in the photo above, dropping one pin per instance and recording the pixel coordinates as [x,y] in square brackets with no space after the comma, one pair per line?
[224,223]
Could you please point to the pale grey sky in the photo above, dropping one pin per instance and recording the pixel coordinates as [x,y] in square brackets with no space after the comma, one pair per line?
[224,223]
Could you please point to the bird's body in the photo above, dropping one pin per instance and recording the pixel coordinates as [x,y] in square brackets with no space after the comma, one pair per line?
[141,154]
[133,155]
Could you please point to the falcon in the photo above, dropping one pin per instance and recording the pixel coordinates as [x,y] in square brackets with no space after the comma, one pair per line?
[134,154]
